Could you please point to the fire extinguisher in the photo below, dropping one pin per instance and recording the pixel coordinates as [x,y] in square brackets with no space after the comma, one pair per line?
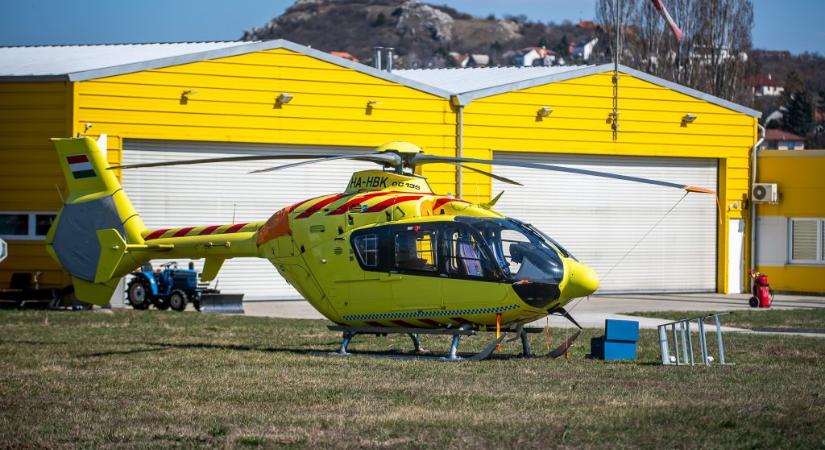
[762,296]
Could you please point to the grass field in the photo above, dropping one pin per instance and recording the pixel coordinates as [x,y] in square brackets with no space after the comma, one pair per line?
[769,319]
[152,379]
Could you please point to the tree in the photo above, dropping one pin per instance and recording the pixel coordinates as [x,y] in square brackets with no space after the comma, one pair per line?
[711,58]
[799,115]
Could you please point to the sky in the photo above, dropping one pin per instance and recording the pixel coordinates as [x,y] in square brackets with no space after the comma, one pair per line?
[795,25]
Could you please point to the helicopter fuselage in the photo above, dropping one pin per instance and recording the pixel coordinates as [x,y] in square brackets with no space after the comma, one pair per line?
[389,252]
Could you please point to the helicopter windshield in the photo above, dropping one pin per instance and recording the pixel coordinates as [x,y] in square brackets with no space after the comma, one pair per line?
[522,253]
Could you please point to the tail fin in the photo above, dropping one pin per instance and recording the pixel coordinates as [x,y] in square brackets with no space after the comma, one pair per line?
[90,236]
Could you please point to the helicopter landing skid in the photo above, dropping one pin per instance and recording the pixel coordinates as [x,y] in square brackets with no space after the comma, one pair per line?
[456,333]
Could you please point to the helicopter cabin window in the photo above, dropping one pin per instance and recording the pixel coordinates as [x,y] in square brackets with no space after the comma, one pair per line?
[367,247]
[464,256]
[415,249]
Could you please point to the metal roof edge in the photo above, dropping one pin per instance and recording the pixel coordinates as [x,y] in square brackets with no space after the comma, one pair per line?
[689,91]
[465,98]
[249,48]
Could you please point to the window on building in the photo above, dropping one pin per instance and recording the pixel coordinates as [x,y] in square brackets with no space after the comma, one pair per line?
[25,225]
[807,238]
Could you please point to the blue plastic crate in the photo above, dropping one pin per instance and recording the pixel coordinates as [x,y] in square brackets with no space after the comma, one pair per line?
[619,341]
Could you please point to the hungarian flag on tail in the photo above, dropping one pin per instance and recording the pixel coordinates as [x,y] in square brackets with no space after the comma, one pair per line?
[80,166]
[660,6]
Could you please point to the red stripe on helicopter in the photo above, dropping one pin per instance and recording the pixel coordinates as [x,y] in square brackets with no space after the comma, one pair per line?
[380,206]
[295,206]
[75,159]
[317,207]
[444,200]
[183,231]
[156,234]
[356,201]
[235,228]
[209,230]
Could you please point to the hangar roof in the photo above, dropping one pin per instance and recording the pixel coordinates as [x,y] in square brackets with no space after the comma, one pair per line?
[85,62]
[458,81]
[469,84]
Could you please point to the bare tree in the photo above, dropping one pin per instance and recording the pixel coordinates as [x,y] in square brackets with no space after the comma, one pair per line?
[712,57]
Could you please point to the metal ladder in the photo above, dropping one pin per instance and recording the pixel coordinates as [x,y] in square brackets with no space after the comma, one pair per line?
[683,341]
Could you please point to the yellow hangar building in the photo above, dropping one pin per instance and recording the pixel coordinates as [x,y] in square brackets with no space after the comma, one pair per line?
[174,101]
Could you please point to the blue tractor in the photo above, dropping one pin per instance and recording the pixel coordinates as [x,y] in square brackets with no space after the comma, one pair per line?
[166,287]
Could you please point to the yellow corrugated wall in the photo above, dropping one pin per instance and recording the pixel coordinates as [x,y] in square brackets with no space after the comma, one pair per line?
[31,113]
[800,177]
[232,99]
[650,124]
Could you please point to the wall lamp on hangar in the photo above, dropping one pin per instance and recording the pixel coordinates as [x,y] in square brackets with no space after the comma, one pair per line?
[184,96]
[543,112]
[688,118]
[372,104]
[282,99]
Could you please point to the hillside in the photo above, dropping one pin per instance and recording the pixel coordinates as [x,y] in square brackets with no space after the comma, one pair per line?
[423,35]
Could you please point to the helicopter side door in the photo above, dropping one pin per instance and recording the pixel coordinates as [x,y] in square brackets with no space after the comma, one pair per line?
[415,271]
[470,277]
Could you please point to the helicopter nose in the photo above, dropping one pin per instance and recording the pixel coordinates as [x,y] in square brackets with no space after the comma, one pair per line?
[583,280]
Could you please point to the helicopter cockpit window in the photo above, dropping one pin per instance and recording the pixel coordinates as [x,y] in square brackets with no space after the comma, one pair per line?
[521,253]
[415,249]
[367,247]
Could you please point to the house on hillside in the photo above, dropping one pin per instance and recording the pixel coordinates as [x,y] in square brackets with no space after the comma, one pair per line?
[586,25]
[583,50]
[776,139]
[767,86]
[345,55]
[465,60]
[536,56]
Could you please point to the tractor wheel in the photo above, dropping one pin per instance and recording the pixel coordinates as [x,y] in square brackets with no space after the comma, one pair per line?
[753,302]
[177,300]
[162,303]
[138,294]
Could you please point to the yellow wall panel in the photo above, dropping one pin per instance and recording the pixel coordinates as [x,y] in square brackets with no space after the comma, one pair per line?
[31,113]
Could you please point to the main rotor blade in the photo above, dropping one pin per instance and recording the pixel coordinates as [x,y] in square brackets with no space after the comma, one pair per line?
[185,162]
[386,159]
[491,175]
[420,159]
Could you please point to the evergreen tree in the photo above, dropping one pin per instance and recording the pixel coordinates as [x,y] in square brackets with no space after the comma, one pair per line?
[799,117]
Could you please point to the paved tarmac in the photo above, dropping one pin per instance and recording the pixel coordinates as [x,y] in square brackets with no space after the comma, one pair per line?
[589,312]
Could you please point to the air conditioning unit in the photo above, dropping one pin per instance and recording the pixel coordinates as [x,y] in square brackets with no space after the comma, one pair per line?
[765,193]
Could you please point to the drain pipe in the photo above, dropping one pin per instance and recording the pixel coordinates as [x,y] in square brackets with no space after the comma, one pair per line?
[754,174]
[388,64]
[377,62]
[459,147]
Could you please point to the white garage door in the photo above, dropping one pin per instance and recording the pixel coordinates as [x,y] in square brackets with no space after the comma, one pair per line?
[622,229]
[210,194]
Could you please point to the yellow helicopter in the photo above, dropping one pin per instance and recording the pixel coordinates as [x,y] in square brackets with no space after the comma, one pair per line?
[387,255]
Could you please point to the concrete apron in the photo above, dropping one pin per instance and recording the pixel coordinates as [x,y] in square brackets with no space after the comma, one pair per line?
[593,311]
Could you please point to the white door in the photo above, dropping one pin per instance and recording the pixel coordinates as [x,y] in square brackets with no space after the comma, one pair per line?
[637,237]
[736,257]
[221,193]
